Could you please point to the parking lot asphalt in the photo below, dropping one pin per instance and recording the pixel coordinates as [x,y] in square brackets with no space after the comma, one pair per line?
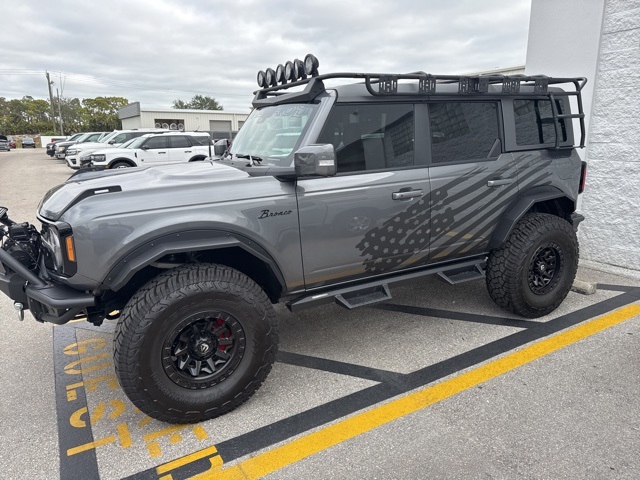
[436,383]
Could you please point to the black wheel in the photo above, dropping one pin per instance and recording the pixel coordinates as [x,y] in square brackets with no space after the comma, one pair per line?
[195,343]
[533,273]
[120,165]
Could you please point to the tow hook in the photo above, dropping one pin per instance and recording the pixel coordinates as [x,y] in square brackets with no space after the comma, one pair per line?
[20,308]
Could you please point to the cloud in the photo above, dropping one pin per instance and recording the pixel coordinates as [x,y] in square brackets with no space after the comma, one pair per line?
[158,51]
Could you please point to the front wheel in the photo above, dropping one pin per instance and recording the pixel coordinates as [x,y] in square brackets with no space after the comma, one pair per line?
[120,165]
[533,273]
[195,343]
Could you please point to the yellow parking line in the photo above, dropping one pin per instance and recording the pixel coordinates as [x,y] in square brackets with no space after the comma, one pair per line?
[303,447]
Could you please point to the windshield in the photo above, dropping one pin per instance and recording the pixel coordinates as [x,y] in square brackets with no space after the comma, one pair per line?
[109,137]
[271,133]
[134,142]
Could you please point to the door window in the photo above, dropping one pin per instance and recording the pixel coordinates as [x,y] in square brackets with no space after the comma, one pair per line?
[155,143]
[463,131]
[180,141]
[371,137]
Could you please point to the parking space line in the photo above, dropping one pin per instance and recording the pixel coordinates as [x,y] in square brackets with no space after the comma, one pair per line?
[452,315]
[391,384]
[298,449]
[341,368]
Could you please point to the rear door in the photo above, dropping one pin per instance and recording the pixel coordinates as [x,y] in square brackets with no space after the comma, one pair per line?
[154,151]
[472,181]
[372,217]
[180,150]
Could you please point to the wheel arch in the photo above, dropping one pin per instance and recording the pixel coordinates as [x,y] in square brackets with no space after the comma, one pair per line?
[196,246]
[546,199]
[197,158]
[128,161]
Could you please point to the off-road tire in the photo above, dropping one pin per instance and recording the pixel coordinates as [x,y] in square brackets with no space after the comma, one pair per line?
[161,308]
[513,272]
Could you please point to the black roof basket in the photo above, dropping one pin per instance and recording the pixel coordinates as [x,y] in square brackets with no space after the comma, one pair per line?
[383,84]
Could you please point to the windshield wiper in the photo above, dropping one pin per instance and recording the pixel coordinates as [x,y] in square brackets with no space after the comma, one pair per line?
[252,158]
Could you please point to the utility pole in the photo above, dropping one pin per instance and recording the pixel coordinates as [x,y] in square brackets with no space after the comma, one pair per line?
[53,112]
[59,112]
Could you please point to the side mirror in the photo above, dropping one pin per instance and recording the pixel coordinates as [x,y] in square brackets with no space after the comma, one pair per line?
[218,150]
[145,147]
[315,161]
[111,142]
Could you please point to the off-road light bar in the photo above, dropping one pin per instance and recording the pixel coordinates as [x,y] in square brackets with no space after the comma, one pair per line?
[289,72]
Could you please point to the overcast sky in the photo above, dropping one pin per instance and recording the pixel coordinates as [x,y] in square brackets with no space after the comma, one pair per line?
[155,51]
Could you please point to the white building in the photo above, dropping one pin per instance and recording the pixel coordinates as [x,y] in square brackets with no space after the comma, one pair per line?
[132,116]
[600,40]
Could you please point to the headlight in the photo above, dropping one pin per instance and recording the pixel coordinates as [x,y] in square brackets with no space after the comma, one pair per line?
[97,158]
[60,248]
[72,151]
[51,242]
[62,149]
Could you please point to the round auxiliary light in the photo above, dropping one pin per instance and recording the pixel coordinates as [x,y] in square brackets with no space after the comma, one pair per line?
[289,73]
[262,79]
[311,65]
[271,77]
[298,69]
[280,74]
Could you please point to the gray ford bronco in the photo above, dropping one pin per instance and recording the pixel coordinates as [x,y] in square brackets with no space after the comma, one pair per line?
[328,194]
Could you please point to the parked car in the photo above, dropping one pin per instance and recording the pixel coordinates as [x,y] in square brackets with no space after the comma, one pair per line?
[62,147]
[113,139]
[4,143]
[153,149]
[28,142]
[326,195]
[12,142]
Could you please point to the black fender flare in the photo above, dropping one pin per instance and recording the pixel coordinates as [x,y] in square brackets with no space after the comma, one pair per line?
[181,242]
[518,209]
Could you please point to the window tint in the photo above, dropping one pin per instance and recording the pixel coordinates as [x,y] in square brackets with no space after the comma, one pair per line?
[180,141]
[462,131]
[534,122]
[370,137]
[157,142]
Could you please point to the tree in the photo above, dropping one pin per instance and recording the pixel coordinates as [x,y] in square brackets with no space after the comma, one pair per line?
[198,102]
[101,113]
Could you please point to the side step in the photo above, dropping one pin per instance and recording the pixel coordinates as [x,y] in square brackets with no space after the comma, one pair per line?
[360,298]
[453,277]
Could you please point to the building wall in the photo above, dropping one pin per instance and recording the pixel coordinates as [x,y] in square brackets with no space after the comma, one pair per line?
[612,199]
[192,119]
[600,40]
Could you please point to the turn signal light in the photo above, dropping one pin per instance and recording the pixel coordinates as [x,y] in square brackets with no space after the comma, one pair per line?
[71,250]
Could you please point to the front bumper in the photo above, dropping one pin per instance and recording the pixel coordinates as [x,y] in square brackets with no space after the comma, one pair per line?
[48,301]
[73,161]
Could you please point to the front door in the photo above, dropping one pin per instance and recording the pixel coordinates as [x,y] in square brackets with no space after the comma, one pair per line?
[155,151]
[373,217]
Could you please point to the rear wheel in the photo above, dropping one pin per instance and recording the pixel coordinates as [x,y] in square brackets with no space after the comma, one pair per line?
[195,343]
[533,273]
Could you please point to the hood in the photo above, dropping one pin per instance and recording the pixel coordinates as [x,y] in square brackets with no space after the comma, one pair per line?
[114,150]
[134,187]
[91,145]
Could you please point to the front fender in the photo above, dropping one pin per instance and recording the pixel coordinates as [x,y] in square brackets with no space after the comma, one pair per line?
[184,241]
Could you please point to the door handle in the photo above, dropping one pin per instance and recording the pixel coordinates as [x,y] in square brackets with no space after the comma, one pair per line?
[498,182]
[162,153]
[403,195]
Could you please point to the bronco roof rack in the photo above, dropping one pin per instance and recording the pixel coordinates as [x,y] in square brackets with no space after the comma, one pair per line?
[292,75]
